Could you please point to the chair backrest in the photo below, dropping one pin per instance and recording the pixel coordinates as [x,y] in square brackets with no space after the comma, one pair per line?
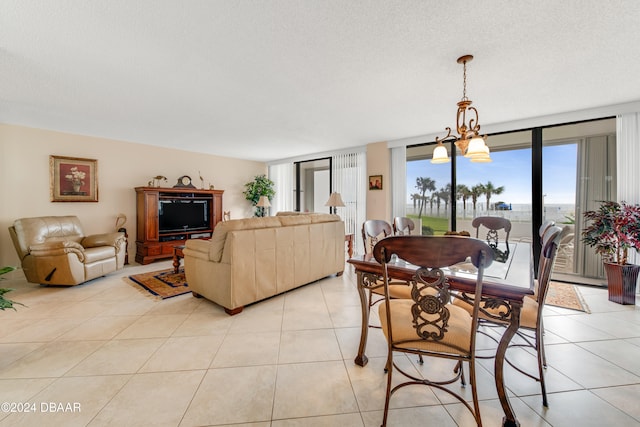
[26,232]
[492,224]
[544,227]
[372,231]
[430,287]
[403,226]
[550,243]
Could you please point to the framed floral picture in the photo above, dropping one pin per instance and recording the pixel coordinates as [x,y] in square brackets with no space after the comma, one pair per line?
[73,179]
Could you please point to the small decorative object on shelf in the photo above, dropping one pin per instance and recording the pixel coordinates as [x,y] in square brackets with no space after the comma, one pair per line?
[184,182]
[201,181]
[155,181]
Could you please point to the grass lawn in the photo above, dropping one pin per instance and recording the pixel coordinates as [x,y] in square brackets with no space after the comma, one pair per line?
[438,225]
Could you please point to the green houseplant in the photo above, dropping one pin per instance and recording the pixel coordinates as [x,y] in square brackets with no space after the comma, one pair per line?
[260,186]
[6,303]
[613,229]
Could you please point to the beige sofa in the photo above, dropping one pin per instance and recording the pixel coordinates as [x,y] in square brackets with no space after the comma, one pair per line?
[54,250]
[248,260]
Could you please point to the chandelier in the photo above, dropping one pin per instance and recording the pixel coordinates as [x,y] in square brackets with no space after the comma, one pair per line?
[468,139]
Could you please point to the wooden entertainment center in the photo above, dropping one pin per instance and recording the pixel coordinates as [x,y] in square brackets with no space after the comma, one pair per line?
[153,244]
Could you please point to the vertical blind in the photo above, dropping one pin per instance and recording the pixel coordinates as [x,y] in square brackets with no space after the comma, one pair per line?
[628,173]
[398,181]
[282,177]
[349,179]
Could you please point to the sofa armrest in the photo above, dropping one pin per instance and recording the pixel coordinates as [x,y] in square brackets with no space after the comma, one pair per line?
[105,239]
[57,248]
[198,248]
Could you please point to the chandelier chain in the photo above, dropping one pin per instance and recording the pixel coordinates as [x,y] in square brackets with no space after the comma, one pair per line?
[464,81]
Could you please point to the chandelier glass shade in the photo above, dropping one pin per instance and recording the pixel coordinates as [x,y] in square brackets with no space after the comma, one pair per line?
[468,139]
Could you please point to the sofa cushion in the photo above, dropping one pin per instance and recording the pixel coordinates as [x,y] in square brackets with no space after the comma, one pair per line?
[222,228]
[324,217]
[289,220]
[33,231]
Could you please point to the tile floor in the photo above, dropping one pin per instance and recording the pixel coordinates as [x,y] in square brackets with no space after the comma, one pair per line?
[103,353]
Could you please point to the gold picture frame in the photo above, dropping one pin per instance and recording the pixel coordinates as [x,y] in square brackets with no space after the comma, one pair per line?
[375,182]
[73,179]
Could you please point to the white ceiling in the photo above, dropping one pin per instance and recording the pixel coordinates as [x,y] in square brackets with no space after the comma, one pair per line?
[273,79]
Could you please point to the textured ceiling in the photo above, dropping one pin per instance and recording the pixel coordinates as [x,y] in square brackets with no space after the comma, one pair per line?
[273,79]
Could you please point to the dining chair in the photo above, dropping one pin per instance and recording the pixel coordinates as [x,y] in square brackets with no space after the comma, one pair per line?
[427,324]
[531,328]
[403,226]
[544,227]
[373,231]
[493,224]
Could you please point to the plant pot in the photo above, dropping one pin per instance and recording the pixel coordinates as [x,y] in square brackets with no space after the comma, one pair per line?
[621,280]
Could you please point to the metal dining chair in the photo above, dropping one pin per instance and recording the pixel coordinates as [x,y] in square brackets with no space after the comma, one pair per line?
[403,226]
[531,329]
[427,324]
[494,224]
[373,231]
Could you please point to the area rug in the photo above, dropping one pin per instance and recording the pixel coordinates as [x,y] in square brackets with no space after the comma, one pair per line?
[565,295]
[162,284]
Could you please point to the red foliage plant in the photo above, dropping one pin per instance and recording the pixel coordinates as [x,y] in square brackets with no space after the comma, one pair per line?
[614,229]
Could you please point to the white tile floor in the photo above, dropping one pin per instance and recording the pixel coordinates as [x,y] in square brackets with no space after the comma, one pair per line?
[128,360]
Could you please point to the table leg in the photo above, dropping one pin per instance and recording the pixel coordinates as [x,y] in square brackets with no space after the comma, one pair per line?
[177,254]
[349,239]
[509,419]
[361,359]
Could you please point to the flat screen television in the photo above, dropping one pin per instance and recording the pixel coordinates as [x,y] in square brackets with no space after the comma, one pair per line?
[183,215]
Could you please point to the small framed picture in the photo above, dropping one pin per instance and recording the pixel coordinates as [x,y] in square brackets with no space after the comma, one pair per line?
[73,179]
[375,182]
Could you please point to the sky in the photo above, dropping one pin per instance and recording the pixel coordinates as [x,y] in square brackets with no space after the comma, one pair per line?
[509,169]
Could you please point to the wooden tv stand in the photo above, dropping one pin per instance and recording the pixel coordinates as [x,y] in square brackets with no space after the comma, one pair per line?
[151,244]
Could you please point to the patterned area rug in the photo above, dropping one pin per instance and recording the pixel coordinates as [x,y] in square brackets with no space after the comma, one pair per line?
[162,284]
[566,295]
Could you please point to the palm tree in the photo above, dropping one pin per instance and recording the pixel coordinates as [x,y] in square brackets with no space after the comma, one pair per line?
[489,190]
[463,193]
[445,195]
[415,197]
[424,185]
[476,191]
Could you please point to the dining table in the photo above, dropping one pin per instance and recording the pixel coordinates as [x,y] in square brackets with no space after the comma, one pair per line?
[506,282]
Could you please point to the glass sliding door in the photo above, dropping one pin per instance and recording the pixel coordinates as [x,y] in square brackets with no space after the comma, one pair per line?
[313,185]
[579,169]
[428,191]
[500,188]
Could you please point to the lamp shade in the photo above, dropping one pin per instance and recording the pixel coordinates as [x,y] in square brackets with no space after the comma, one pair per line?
[440,155]
[483,157]
[476,147]
[335,200]
[263,202]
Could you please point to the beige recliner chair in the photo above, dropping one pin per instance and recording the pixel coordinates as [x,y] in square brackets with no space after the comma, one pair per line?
[53,250]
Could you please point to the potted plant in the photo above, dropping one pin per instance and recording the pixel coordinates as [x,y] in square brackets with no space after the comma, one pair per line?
[260,186]
[614,229]
[6,303]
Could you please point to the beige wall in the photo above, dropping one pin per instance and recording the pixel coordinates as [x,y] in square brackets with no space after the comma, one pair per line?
[24,175]
[379,201]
